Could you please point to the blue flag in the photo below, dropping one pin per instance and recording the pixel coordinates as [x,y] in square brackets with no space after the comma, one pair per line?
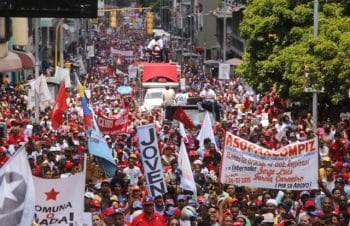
[98,147]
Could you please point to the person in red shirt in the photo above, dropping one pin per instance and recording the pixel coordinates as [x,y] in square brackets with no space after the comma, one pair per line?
[3,157]
[148,217]
[15,137]
[337,149]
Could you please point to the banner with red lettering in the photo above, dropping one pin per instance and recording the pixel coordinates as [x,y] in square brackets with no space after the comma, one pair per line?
[113,125]
[292,167]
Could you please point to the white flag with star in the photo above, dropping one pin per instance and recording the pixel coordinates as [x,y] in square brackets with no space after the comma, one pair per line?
[17,197]
[59,201]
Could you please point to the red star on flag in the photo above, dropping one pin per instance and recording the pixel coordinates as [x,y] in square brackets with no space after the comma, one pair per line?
[51,194]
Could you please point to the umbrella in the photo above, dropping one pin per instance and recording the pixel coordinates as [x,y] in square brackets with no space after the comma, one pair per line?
[124,90]
[234,61]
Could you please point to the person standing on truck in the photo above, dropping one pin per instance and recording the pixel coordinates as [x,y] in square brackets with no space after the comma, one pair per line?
[160,44]
[165,49]
[209,102]
[168,96]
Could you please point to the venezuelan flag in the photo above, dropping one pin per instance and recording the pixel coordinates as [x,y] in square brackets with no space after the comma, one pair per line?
[87,111]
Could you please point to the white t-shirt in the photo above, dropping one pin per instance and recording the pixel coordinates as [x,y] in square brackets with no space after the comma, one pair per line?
[133,174]
[181,99]
[208,94]
[151,44]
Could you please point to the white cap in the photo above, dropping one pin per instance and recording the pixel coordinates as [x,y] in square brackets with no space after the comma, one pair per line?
[89,195]
[198,162]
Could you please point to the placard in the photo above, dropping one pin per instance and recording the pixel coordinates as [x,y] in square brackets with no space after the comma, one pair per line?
[151,160]
[292,167]
[224,71]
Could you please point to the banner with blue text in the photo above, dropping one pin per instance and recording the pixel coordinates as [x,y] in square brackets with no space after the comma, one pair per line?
[292,167]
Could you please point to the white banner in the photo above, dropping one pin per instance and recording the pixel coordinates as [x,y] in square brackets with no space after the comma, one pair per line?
[182,84]
[63,74]
[224,71]
[59,201]
[187,179]
[293,167]
[90,51]
[132,71]
[151,160]
[127,53]
[264,119]
[41,90]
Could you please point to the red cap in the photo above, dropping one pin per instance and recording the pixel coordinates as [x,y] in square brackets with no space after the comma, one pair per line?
[109,211]
[192,153]
[309,203]
[69,164]
[81,148]
[267,134]
[338,164]
[207,154]
[95,203]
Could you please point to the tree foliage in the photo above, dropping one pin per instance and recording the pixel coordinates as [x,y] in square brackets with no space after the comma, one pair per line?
[281,45]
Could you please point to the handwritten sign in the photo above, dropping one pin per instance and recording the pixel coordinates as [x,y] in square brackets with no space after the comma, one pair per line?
[293,167]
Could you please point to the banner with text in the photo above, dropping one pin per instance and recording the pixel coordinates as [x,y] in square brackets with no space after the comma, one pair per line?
[59,201]
[151,160]
[127,53]
[224,71]
[113,125]
[292,167]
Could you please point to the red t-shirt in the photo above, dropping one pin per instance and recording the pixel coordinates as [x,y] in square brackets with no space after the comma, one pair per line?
[155,220]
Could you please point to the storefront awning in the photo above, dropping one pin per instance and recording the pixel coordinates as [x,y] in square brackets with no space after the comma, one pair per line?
[11,63]
[28,61]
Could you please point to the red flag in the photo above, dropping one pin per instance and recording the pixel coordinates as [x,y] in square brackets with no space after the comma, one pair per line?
[59,108]
[182,116]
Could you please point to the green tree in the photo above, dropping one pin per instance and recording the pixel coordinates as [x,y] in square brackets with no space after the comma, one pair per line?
[281,47]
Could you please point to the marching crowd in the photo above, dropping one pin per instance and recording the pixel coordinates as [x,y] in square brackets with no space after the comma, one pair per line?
[123,199]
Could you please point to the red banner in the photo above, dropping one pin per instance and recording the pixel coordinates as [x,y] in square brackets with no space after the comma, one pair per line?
[113,125]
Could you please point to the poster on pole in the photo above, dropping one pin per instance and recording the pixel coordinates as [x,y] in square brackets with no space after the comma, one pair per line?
[90,51]
[292,167]
[224,71]
[265,119]
[151,160]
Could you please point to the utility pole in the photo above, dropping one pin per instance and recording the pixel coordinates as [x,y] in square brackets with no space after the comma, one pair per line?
[314,94]
[224,33]
[61,46]
[204,35]
[191,28]
[37,67]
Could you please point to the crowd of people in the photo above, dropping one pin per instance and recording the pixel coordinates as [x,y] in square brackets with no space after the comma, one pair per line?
[124,200]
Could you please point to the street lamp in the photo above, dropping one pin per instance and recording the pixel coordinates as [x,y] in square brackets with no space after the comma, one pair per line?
[59,28]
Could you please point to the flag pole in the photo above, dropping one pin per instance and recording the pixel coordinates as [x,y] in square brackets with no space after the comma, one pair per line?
[84,176]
